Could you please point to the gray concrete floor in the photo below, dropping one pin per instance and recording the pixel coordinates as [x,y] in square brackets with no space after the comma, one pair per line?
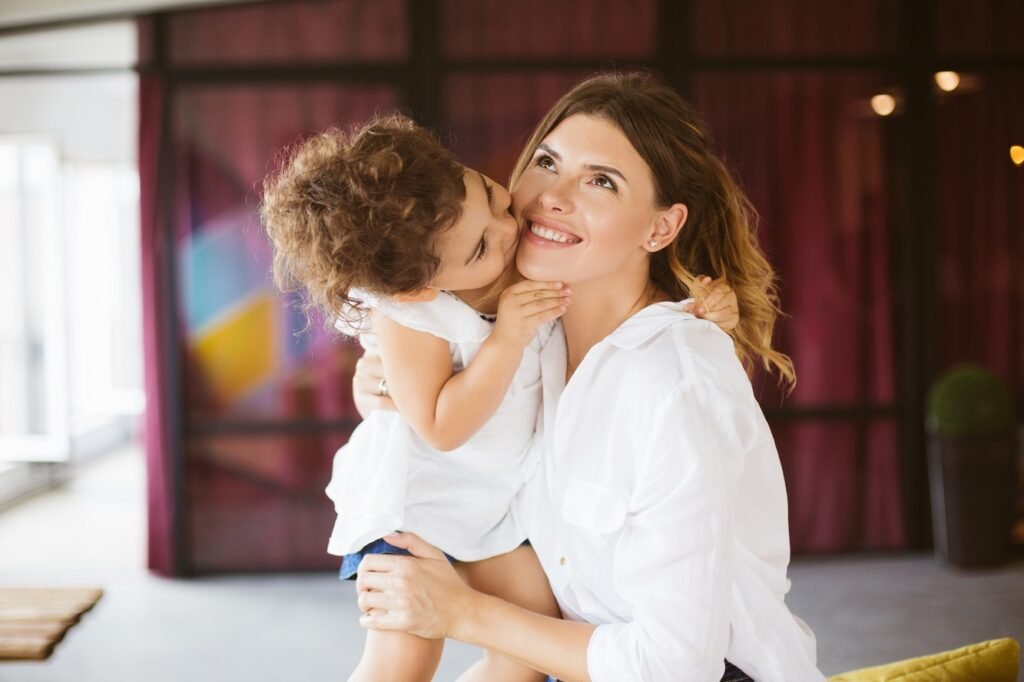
[91,532]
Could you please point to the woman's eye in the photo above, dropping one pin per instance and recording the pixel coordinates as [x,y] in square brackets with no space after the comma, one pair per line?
[545,161]
[605,181]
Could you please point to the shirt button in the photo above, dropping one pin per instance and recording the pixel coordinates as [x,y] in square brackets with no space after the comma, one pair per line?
[562,561]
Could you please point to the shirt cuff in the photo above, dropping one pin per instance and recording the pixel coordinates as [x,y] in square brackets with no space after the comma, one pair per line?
[605,659]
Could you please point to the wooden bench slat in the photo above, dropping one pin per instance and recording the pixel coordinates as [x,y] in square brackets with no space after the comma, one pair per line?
[34,619]
[51,629]
[15,647]
[48,595]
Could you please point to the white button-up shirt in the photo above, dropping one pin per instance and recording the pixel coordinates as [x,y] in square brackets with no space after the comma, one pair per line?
[658,508]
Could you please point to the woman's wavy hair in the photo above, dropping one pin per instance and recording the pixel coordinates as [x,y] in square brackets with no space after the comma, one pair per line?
[719,238]
[361,210]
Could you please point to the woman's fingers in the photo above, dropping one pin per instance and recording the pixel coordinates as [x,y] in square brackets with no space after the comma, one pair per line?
[378,619]
[370,600]
[381,563]
[415,545]
[369,372]
[366,386]
[372,581]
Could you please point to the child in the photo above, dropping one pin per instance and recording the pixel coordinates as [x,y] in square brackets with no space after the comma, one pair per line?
[385,224]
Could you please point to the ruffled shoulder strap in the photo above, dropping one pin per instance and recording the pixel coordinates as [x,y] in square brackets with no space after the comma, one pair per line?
[447,317]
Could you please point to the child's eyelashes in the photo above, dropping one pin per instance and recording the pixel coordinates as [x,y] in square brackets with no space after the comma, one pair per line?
[482,249]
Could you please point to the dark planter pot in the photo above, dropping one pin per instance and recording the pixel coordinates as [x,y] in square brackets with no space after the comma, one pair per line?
[972,488]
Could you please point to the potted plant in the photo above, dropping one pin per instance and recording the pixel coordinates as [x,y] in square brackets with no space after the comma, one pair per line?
[971,458]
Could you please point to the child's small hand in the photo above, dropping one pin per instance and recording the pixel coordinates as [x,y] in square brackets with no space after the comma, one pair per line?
[525,306]
[715,301]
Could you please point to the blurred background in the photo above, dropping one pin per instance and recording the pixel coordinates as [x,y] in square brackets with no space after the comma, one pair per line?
[165,413]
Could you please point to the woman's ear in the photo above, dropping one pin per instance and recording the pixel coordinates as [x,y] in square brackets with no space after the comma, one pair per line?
[667,225]
[417,296]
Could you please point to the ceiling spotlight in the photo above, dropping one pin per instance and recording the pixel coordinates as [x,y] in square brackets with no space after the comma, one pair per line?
[948,81]
[883,104]
[1017,155]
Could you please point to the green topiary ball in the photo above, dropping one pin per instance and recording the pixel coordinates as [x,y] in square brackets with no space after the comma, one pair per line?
[968,400]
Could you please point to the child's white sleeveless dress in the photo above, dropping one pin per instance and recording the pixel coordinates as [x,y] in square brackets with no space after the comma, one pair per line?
[387,478]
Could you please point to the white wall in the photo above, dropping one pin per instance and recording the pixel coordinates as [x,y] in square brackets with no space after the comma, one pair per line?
[22,12]
[93,118]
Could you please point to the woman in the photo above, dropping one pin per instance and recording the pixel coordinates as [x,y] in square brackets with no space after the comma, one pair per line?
[658,509]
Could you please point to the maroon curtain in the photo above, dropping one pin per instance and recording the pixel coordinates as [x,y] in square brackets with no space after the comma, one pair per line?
[253,501]
[813,157]
[811,28]
[264,396]
[980,202]
[159,493]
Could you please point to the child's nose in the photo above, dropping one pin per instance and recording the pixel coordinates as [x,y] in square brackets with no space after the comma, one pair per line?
[506,200]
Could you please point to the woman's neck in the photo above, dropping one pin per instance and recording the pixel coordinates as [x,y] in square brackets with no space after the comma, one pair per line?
[598,308]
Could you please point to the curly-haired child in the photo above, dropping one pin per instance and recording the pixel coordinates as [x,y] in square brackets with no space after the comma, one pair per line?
[383,229]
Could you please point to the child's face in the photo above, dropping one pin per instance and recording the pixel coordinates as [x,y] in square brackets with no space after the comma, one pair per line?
[482,242]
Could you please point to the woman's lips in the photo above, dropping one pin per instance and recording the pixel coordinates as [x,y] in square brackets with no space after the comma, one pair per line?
[545,233]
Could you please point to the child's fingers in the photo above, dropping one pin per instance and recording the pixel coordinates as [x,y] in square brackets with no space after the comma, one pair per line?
[537,293]
[527,286]
[548,315]
[716,298]
[699,285]
[542,294]
[532,308]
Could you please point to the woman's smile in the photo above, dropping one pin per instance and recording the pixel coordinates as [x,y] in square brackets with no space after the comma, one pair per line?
[549,233]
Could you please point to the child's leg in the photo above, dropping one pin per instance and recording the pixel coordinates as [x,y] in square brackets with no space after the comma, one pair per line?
[398,657]
[518,578]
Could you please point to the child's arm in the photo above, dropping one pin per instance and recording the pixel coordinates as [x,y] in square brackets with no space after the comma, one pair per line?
[444,408]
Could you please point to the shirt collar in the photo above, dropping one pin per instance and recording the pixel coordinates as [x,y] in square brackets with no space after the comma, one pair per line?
[646,324]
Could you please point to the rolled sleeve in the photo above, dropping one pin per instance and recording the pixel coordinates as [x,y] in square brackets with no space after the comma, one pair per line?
[673,562]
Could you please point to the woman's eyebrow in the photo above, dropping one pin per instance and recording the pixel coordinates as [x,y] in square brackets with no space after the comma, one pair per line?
[610,170]
[550,151]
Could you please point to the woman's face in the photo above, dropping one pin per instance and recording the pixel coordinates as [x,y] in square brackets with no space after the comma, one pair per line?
[585,205]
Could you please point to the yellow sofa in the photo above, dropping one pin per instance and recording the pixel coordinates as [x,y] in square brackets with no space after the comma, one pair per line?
[992,661]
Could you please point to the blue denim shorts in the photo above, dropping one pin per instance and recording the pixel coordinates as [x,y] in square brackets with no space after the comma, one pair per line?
[350,562]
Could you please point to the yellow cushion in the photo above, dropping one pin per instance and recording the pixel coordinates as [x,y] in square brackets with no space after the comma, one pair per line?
[991,661]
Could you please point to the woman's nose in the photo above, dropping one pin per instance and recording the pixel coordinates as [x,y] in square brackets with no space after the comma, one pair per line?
[556,197]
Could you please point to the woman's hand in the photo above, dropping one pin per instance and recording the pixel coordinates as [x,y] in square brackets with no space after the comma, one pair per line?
[714,301]
[421,594]
[366,384]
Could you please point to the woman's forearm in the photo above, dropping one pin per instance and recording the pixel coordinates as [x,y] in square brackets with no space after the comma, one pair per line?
[551,645]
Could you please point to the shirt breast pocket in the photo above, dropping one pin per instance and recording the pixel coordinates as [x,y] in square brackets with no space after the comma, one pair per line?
[594,507]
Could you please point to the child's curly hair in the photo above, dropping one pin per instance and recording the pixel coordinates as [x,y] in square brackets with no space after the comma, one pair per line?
[361,210]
